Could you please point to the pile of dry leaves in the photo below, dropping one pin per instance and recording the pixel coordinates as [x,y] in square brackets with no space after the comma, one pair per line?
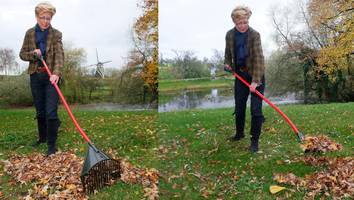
[149,178]
[319,143]
[337,181]
[58,176]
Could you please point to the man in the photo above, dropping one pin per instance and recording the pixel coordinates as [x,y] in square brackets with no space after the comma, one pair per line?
[243,53]
[44,40]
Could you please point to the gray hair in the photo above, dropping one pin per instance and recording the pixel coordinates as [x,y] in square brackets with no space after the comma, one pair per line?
[45,7]
[240,12]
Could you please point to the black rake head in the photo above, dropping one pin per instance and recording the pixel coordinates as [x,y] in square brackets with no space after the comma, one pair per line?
[99,170]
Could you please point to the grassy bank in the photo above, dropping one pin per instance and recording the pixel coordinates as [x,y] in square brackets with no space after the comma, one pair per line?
[189,148]
[198,162]
[130,135]
[175,85]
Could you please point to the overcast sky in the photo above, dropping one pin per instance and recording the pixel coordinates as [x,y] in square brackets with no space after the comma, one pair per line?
[201,25]
[89,24]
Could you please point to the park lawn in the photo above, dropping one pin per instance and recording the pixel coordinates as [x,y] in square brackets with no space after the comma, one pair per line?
[197,162]
[130,135]
[195,84]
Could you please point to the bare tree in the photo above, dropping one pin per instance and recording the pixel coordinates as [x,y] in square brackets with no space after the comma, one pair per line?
[7,61]
[296,39]
[217,59]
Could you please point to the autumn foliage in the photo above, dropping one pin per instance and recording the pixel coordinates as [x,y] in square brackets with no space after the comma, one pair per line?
[323,47]
[319,143]
[335,181]
[146,44]
[333,21]
[54,177]
[58,176]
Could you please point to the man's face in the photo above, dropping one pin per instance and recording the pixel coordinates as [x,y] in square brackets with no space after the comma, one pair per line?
[241,24]
[43,20]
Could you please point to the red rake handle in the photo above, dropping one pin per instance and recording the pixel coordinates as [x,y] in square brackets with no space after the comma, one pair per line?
[83,134]
[297,132]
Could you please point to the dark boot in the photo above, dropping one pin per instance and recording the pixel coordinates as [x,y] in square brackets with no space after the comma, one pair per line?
[256,126]
[240,126]
[42,131]
[53,125]
[254,146]
[237,136]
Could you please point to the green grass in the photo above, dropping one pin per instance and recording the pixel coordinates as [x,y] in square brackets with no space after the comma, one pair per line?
[197,160]
[189,148]
[166,73]
[174,85]
[131,134]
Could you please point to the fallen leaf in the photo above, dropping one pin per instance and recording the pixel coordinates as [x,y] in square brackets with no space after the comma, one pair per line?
[149,178]
[319,143]
[58,176]
[280,162]
[49,174]
[275,189]
[335,181]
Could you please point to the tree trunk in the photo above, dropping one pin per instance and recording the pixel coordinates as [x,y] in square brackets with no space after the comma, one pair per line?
[306,83]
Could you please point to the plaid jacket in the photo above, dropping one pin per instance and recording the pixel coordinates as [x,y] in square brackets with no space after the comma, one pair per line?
[255,59]
[54,51]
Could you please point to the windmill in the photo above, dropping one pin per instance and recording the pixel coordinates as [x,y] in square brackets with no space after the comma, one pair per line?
[99,67]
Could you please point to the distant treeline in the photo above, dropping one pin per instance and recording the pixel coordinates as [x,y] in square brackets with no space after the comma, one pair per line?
[125,86]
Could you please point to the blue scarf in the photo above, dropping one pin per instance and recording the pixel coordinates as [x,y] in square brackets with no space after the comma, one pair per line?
[240,48]
[41,38]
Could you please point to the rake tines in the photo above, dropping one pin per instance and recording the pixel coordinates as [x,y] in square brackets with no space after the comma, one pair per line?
[98,170]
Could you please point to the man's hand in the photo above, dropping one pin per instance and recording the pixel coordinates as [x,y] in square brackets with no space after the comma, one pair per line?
[54,78]
[227,68]
[37,52]
[253,87]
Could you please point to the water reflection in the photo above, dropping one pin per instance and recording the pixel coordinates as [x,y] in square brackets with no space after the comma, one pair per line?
[209,98]
[112,107]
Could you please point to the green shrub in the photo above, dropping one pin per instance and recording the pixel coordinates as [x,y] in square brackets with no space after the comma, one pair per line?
[15,90]
[128,87]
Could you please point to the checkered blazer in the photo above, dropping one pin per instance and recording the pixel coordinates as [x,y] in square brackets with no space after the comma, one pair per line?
[54,50]
[255,59]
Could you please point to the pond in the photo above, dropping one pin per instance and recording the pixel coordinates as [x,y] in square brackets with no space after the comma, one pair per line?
[111,107]
[208,98]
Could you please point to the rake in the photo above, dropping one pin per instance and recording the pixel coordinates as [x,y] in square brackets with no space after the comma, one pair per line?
[98,169]
[299,135]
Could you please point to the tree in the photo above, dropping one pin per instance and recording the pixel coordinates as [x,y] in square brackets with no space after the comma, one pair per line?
[217,60]
[72,73]
[296,43]
[284,73]
[333,21]
[7,60]
[146,45]
[14,90]
[127,86]
[310,39]
[165,69]
[187,65]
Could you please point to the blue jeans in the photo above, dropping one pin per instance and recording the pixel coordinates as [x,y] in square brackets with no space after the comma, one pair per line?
[241,95]
[45,96]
